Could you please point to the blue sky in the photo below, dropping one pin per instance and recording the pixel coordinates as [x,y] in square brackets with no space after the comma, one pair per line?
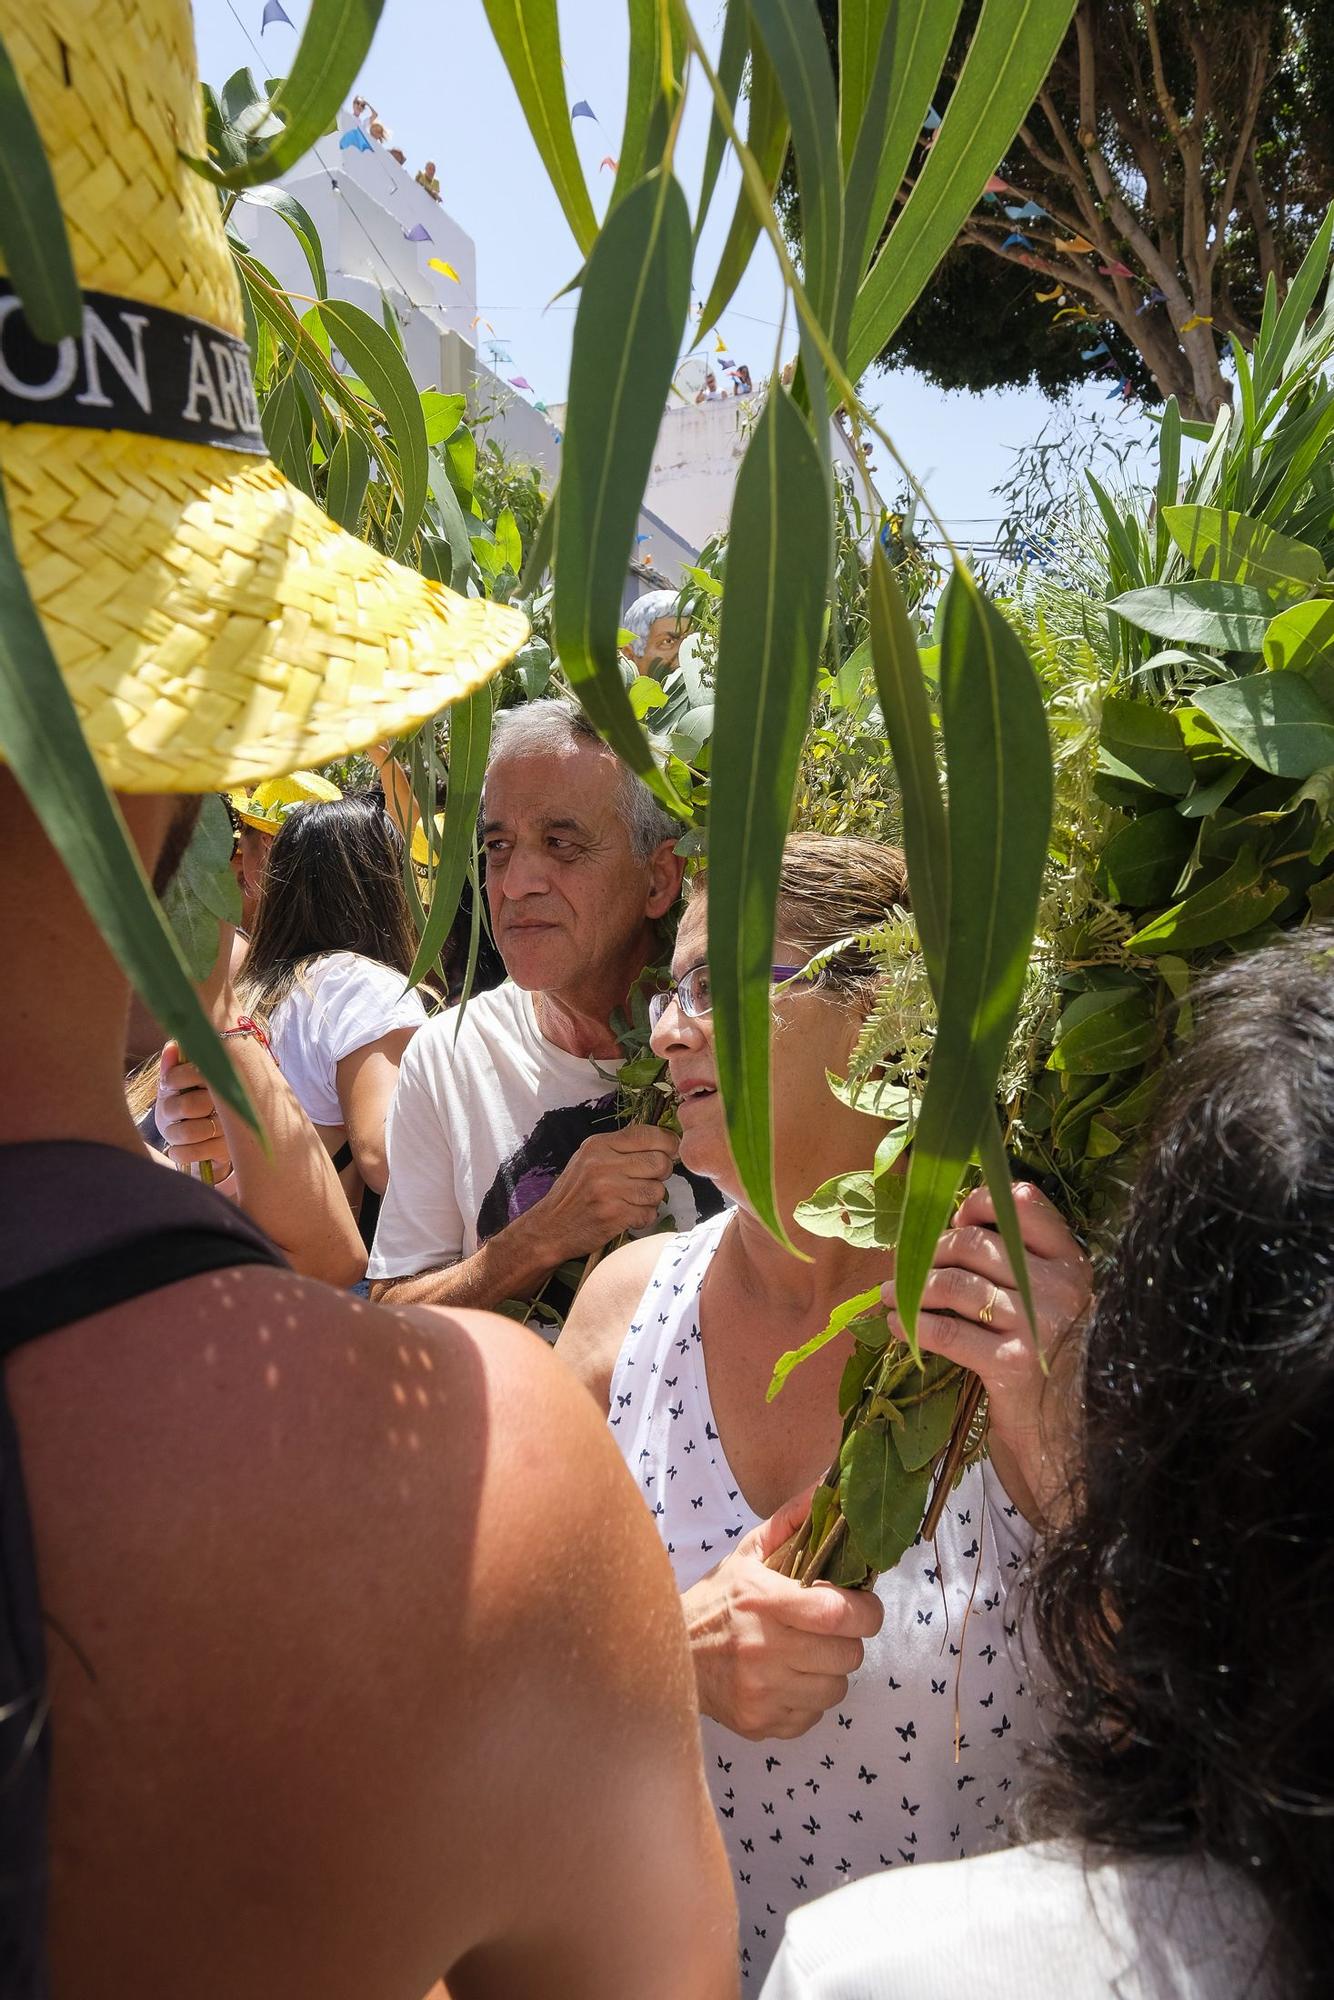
[438,82]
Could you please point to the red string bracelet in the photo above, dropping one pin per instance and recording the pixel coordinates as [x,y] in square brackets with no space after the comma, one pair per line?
[246,1026]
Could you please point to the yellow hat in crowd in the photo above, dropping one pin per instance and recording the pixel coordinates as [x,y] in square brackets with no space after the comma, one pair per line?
[267,804]
[213,625]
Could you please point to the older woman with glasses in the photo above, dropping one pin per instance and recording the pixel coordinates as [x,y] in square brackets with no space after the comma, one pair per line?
[844,1732]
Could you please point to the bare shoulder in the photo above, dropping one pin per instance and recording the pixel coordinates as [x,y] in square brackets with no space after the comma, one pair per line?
[595,1330]
[333,1588]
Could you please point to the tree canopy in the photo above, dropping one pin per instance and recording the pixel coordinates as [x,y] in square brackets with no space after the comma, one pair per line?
[1178,155]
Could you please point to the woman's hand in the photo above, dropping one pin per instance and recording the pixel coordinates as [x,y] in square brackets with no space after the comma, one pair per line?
[973,1314]
[770,1656]
[188,1118]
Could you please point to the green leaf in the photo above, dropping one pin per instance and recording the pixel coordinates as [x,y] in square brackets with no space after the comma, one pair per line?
[840,1320]
[1146,741]
[533,662]
[1169,473]
[1233,616]
[441,415]
[927,1423]
[1227,908]
[527,34]
[795,45]
[847,1206]
[766,140]
[1116,1034]
[731,65]
[900,82]
[636,294]
[202,894]
[334,44]
[1142,864]
[878,1096]
[1010,53]
[508,545]
[372,355]
[768,654]
[1297,303]
[907,713]
[469,747]
[456,535]
[850,1386]
[33,245]
[345,488]
[1276,719]
[1234,548]
[1302,638]
[646,694]
[44,746]
[998,768]
[287,433]
[539,555]
[299,222]
[883,1503]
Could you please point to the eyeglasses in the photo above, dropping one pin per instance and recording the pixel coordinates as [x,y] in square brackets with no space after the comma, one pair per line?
[691,993]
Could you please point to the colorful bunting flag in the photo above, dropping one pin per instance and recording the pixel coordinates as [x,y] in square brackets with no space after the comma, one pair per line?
[931,121]
[996,186]
[356,139]
[1027,212]
[1197,319]
[521,382]
[274,11]
[1078,246]
[583,109]
[615,165]
[1092,353]
[1115,270]
[540,406]
[720,345]
[1054,293]
[445,270]
[1153,298]
[1015,237]
[418,233]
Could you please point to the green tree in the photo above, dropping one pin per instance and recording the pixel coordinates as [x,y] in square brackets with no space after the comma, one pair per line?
[1185,150]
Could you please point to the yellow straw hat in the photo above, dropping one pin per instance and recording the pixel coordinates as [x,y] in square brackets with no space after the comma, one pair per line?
[267,804]
[213,626]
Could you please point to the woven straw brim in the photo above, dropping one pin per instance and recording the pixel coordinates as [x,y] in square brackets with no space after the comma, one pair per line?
[213,626]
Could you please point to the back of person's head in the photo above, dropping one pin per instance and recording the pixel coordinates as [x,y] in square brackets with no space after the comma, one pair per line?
[1186,1610]
[334,882]
[547,727]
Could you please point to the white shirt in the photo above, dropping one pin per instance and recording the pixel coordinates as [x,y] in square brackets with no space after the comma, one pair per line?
[340,1003]
[877,1782]
[483,1120]
[1034,1923]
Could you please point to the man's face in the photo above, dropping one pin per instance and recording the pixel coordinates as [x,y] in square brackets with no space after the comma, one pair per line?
[569,900]
[662,646]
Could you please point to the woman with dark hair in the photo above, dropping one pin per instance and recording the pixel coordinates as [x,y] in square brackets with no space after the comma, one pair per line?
[1184,1595]
[326,976]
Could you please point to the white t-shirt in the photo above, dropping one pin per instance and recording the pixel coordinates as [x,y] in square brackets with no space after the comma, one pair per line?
[486,1114]
[340,1003]
[1033,1923]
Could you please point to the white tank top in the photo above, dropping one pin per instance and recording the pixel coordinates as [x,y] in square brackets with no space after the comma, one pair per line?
[876,1784]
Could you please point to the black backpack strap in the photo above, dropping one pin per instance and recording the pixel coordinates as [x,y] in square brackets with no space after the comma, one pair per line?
[108,1277]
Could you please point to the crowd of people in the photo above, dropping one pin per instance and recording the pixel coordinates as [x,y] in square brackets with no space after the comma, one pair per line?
[1008,1679]
[353,1638]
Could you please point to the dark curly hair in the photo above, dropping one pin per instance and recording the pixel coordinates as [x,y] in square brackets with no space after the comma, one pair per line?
[1186,1608]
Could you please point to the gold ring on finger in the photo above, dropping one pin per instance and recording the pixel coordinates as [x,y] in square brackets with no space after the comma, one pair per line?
[988,1312]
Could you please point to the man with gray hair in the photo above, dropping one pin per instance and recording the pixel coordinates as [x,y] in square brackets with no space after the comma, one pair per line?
[506,1158]
[656,630]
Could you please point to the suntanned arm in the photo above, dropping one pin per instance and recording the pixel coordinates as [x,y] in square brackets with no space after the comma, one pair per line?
[513,1264]
[385,1675]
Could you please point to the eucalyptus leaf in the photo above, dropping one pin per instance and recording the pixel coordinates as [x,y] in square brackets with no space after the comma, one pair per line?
[795,45]
[1302,638]
[766,139]
[203,893]
[373,356]
[345,486]
[527,34]
[1119,1035]
[469,747]
[334,44]
[299,222]
[34,247]
[928,1420]
[768,654]
[441,415]
[632,313]
[1141,865]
